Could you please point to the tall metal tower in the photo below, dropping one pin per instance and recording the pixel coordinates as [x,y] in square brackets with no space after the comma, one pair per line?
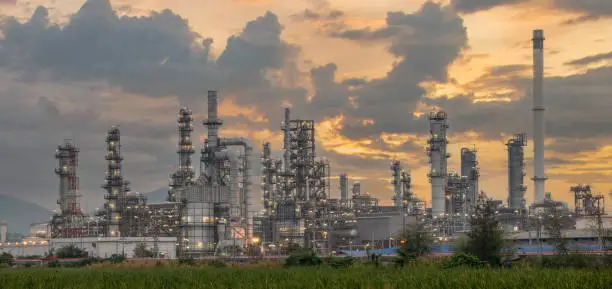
[268,184]
[356,189]
[344,190]
[436,151]
[396,171]
[68,157]
[516,171]
[184,174]
[469,169]
[116,187]
[406,184]
[539,177]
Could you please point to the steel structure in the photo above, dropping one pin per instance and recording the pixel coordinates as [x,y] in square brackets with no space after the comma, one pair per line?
[216,207]
[67,223]
[587,203]
[116,187]
[436,150]
[539,177]
[184,174]
[295,189]
[457,190]
[344,190]
[270,180]
[396,171]
[516,171]
[469,169]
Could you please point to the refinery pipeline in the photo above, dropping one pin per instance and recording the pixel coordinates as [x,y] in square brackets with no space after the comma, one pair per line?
[213,214]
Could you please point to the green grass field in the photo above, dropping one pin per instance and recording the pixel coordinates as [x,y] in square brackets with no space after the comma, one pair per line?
[360,277]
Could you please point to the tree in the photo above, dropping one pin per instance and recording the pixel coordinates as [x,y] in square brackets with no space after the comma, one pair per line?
[415,243]
[70,251]
[5,258]
[485,240]
[604,235]
[141,251]
[553,226]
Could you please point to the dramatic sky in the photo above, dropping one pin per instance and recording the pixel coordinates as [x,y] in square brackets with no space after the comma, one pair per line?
[367,71]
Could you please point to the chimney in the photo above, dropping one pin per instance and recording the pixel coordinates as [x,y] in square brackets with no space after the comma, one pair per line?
[539,177]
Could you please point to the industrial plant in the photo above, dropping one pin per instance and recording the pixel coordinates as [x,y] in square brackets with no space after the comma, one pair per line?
[213,213]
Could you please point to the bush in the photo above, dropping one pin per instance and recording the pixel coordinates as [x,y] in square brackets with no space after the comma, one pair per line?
[570,261]
[71,251]
[303,258]
[54,264]
[463,259]
[187,261]
[336,262]
[218,264]
[5,258]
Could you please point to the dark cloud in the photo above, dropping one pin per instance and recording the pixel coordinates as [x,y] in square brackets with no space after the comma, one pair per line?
[425,43]
[310,15]
[590,59]
[136,58]
[591,9]
[577,108]
[156,55]
[471,6]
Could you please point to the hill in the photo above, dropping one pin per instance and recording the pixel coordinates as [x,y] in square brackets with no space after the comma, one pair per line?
[20,214]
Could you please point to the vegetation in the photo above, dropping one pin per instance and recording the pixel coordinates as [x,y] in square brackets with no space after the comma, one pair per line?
[5,258]
[141,251]
[419,276]
[485,240]
[415,243]
[303,258]
[553,226]
[70,251]
[463,260]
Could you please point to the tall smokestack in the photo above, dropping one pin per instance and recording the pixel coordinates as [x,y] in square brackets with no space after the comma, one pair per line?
[286,156]
[212,123]
[539,177]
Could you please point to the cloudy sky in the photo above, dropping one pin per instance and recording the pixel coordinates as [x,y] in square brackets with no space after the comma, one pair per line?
[366,71]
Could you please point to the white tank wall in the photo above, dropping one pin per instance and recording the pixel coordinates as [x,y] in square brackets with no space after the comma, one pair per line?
[29,249]
[106,247]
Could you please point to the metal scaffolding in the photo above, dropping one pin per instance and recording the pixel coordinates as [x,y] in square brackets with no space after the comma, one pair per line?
[470,170]
[587,203]
[68,222]
[116,187]
[184,174]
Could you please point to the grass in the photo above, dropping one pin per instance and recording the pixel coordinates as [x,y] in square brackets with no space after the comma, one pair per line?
[323,277]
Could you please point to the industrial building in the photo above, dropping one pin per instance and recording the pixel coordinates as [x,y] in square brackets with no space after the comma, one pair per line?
[212,214]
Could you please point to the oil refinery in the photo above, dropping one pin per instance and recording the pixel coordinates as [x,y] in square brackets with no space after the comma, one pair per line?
[213,213]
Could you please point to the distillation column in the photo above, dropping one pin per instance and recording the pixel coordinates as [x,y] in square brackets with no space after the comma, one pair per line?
[183,177]
[469,169]
[268,179]
[539,178]
[516,171]
[67,156]
[396,170]
[115,186]
[437,156]
[344,190]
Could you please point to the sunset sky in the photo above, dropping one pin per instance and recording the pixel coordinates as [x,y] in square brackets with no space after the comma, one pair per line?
[367,71]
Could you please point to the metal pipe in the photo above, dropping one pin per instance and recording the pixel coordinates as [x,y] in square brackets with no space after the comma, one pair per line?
[246,200]
[539,178]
